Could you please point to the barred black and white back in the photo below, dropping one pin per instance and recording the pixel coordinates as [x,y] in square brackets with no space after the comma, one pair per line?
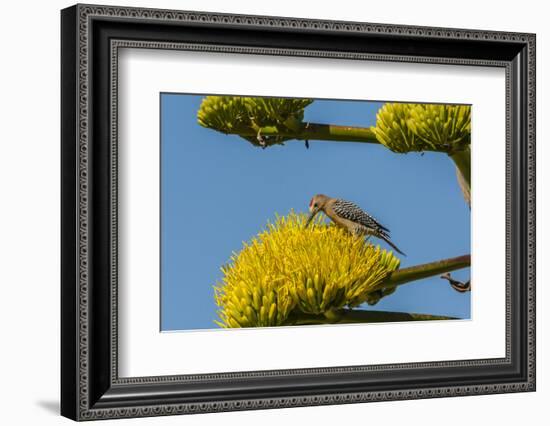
[365,223]
[351,211]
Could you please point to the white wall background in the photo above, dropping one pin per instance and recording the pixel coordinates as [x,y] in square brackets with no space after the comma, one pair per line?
[29,211]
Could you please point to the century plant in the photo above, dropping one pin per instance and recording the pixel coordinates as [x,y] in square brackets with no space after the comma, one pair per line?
[289,274]
[405,127]
[247,116]
[287,267]
[401,127]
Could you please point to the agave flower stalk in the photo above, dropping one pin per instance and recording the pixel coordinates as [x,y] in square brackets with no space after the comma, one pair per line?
[314,131]
[289,268]
[405,127]
[282,119]
[401,127]
[418,272]
[289,274]
[351,316]
[275,120]
[463,164]
[261,121]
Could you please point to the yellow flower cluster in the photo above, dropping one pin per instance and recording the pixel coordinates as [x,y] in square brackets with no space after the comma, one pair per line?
[423,127]
[288,268]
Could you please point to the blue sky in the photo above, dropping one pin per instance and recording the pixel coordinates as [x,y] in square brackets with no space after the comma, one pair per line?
[218,190]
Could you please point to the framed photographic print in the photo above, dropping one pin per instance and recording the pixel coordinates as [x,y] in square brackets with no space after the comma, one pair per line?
[263,212]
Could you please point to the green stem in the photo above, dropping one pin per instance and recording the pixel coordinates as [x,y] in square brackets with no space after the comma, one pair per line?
[463,163]
[351,316]
[418,272]
[315,131]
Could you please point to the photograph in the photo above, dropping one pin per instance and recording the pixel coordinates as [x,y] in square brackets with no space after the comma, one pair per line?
[273,208]
[279,211]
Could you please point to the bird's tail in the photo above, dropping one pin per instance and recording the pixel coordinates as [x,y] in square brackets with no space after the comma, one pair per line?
[387,240]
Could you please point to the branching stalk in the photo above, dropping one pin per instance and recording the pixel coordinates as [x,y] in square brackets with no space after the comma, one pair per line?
[315,131]
[351,316]
[399,277]
[463,163]
[418,272]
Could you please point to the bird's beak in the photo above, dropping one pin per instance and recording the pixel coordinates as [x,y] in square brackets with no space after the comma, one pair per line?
[311,216]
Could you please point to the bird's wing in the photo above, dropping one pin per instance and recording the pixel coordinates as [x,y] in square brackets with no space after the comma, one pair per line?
[350,211]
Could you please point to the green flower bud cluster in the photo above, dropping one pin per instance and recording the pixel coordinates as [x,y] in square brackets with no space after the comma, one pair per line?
[392,130]
[423,127]
[227,114]
[247,116]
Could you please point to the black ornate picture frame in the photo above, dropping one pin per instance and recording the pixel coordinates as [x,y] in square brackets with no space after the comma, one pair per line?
[91,387]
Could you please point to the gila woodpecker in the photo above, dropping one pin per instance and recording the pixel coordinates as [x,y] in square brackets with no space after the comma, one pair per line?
[349,216]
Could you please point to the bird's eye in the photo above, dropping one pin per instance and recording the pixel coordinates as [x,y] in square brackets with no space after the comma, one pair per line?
[315,205]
